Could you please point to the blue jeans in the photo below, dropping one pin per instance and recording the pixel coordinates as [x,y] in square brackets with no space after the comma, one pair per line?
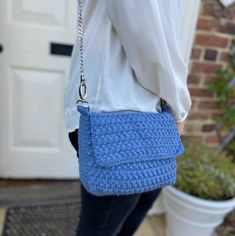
[112,215]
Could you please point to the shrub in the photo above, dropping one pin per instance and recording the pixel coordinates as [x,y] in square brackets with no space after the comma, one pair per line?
[224,87]
[205,173]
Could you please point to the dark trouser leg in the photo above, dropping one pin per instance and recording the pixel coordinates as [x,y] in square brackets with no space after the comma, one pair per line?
[105,215]
[137,215]
[73,137]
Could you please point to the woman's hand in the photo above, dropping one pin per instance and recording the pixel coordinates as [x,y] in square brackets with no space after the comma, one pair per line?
[180,127]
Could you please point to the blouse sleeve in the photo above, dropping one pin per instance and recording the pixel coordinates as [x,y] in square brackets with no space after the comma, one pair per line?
[150,34]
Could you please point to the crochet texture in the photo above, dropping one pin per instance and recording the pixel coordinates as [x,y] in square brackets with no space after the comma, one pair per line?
[127,152]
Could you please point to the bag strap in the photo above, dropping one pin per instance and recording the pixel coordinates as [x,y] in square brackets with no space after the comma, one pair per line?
[83,84]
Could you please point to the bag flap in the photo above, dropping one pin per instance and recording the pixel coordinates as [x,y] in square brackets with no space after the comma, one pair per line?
[125,137]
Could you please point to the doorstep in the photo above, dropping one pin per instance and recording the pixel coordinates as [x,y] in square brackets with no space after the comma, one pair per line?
[2,218]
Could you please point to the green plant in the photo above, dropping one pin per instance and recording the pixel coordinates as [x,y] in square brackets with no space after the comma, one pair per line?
[224,87]
[205,173]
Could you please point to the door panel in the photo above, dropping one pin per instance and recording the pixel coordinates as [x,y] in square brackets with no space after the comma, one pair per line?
[39,13]
[32,103]
[36,23]
[33,140]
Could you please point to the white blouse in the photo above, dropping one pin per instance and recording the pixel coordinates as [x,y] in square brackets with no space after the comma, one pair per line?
[132,57]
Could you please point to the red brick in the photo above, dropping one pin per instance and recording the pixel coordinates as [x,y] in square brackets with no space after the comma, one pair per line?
[208,105]
[211,139]
[224,56]
[211,40]
[198,115]
[187,137]
[228,28]
[194,79]
[209,79]
[216,114]
[196,53]
[205,67]
[206,24]
[210,8]
[199,92]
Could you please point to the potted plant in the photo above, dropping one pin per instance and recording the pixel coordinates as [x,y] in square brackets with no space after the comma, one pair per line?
[203,194]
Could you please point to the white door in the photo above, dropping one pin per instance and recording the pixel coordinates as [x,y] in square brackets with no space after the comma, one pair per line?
[33,141]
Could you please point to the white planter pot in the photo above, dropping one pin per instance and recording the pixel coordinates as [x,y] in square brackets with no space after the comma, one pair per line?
[187,215]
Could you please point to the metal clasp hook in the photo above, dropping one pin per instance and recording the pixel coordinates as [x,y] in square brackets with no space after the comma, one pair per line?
[82,90]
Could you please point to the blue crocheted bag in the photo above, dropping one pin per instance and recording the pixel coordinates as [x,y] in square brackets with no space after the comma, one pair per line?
[124,152]
[127,152]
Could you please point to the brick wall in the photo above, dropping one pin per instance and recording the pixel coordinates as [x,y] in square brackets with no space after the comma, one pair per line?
[215,32]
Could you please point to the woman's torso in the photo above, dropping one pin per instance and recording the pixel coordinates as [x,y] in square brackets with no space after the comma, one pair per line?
[111,82]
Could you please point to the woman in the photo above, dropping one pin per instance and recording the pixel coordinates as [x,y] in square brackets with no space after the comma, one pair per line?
[132,59]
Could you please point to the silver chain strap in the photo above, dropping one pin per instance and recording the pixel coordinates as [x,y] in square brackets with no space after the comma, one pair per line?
[82,85]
